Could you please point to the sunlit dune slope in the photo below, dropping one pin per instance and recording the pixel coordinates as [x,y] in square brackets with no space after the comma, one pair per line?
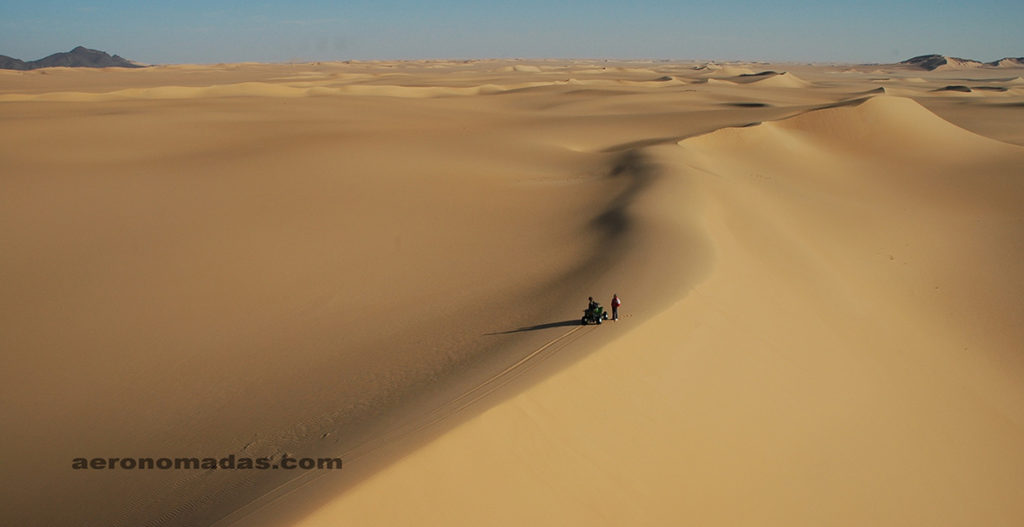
[852,359]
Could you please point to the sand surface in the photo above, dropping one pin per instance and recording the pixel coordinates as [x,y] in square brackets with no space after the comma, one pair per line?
[821,269]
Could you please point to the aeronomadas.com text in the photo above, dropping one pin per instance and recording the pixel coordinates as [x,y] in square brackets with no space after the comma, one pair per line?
[206,463]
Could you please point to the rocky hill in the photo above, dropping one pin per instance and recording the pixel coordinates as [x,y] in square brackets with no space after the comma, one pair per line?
[943,62]
[80,57]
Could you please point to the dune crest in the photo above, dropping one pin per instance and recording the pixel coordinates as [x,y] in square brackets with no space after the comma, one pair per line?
[782,80]
[884,122]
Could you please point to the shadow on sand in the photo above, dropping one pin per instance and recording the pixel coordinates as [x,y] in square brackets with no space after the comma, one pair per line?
[562,324]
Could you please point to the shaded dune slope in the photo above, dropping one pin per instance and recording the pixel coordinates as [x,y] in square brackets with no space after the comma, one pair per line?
[321,264]
[640,228]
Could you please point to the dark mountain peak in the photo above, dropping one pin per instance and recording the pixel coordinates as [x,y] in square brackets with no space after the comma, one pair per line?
[80,57]
[11,63]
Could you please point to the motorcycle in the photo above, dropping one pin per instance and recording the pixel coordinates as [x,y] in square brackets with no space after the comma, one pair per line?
[594,315]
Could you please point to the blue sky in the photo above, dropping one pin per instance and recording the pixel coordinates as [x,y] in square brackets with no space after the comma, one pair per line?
[782,30]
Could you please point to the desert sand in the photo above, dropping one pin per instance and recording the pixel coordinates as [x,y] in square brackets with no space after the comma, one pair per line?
[386,262]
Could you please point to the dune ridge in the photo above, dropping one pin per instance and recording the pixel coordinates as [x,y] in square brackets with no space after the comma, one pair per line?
[262,89]
[842,271]
[314,89]
[822,292]
[854,125]
[781,80]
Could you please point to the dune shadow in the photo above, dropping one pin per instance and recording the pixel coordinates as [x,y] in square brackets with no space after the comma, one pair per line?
[538,327]
[747,104]
[954,87]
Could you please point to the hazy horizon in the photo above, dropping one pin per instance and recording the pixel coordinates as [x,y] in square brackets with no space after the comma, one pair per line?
[234,31]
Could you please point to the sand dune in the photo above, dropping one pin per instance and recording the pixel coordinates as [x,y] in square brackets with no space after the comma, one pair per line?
[781,80]
[726,70]
[822,287]
[817,280]
[287,87]
[878,121]
[261,89]
[524,68]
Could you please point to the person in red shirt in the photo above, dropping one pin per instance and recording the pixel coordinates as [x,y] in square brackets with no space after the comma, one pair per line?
[616,302]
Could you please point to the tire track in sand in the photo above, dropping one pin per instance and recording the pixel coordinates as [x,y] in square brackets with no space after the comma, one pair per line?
[443,412]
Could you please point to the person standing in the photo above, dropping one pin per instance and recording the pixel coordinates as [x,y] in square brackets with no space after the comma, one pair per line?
[616,302]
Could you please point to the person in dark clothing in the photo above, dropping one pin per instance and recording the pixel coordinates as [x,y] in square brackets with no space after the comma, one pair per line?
[592,307]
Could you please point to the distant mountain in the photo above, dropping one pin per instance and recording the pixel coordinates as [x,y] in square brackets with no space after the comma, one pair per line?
[9,63]
[934,62]
[79,57]
[1008,62]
